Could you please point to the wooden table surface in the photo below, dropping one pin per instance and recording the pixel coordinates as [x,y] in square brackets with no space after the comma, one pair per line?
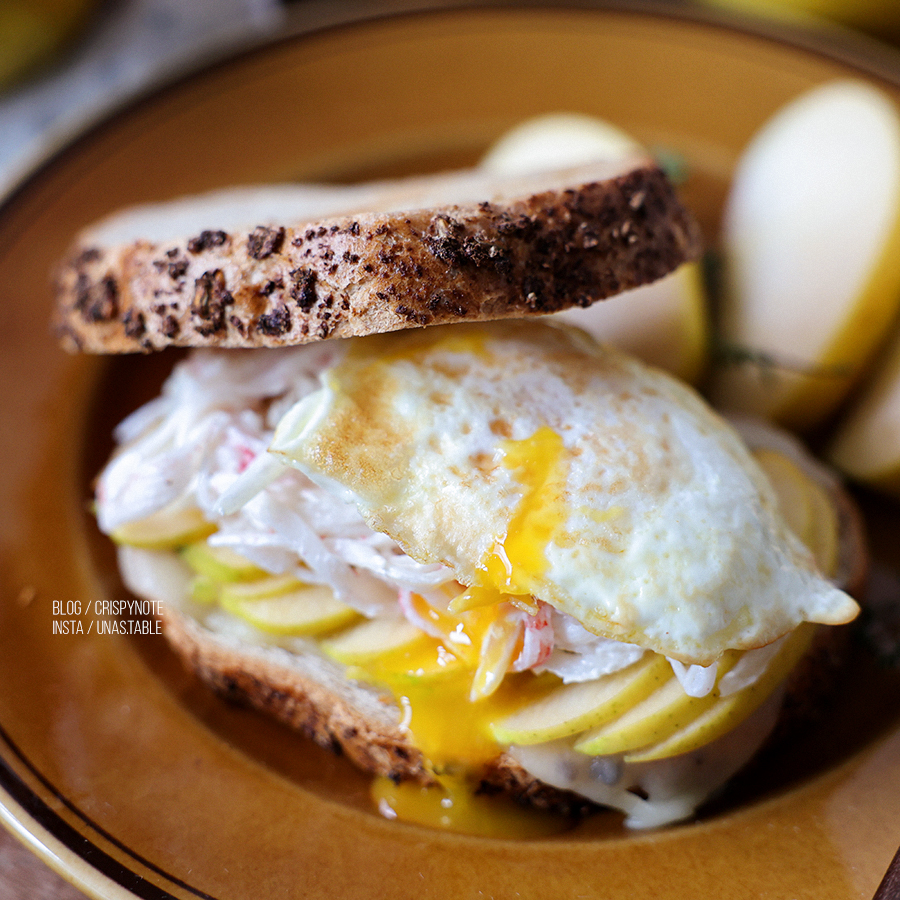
[25,877]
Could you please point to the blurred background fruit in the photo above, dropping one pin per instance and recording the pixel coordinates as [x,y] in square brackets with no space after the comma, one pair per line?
[880,18]
[34,32]
[811,269]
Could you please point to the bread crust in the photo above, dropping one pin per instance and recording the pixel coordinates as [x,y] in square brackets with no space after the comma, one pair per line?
[277,285]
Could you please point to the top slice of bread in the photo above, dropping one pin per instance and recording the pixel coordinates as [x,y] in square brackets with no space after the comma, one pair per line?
[286,265]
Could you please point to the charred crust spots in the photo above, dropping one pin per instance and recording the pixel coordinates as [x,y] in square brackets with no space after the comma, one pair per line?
[303,288]
[443,303]
[238,325]
[275,323]
[413,315]
[450,243]
[206,240]
[87,256]
[211,299]
[174,265]
[170,327]
[263,242]
[134,323]
[97,301]
[178,268]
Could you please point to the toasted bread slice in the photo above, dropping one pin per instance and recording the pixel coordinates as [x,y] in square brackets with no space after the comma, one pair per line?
[313,694]
[454,247]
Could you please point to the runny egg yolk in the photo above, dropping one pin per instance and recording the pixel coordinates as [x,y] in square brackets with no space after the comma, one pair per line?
[434,688]
[450,702]
[538,463]
[510,569]
[433,682]
[454,806]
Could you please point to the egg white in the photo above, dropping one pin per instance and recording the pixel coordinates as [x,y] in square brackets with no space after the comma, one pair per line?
[669,535]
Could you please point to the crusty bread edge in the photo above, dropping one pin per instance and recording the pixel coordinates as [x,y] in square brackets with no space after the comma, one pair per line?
[370,273]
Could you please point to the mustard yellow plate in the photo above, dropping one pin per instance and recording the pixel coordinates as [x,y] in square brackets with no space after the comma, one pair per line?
[131,780]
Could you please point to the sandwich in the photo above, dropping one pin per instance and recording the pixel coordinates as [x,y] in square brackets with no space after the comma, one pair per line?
[387,500]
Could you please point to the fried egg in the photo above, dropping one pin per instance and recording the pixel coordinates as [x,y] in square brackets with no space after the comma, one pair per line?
[538,464]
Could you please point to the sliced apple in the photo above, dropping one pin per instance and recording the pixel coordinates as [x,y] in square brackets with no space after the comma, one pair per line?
[204,589]
[169,528]
[810,241]
[309,609]
[866,441]
[371,639]
[806,506]
[728,712]
[664,323]
[219,563]
[556,141]
[259,588]
[572,708]
[654,718]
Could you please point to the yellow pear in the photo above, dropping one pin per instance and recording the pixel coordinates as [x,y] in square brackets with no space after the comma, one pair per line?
[811,268]
[866,441]
[806,506]
[556,141]
[664,323]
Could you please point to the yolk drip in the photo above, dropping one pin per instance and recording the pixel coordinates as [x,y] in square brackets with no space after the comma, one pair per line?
[433,680]
[515,565]
[454,806]
[448,726]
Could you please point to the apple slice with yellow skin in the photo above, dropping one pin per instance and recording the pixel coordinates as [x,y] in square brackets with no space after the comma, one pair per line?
[572,708]
[424,660]
[811,268]
[657,716]
[728,712]
[371,639]
[307,609]
[865,444]
[806,507]
[391,651]
[557,141]
[664,323]
[169,528]
[220,563]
